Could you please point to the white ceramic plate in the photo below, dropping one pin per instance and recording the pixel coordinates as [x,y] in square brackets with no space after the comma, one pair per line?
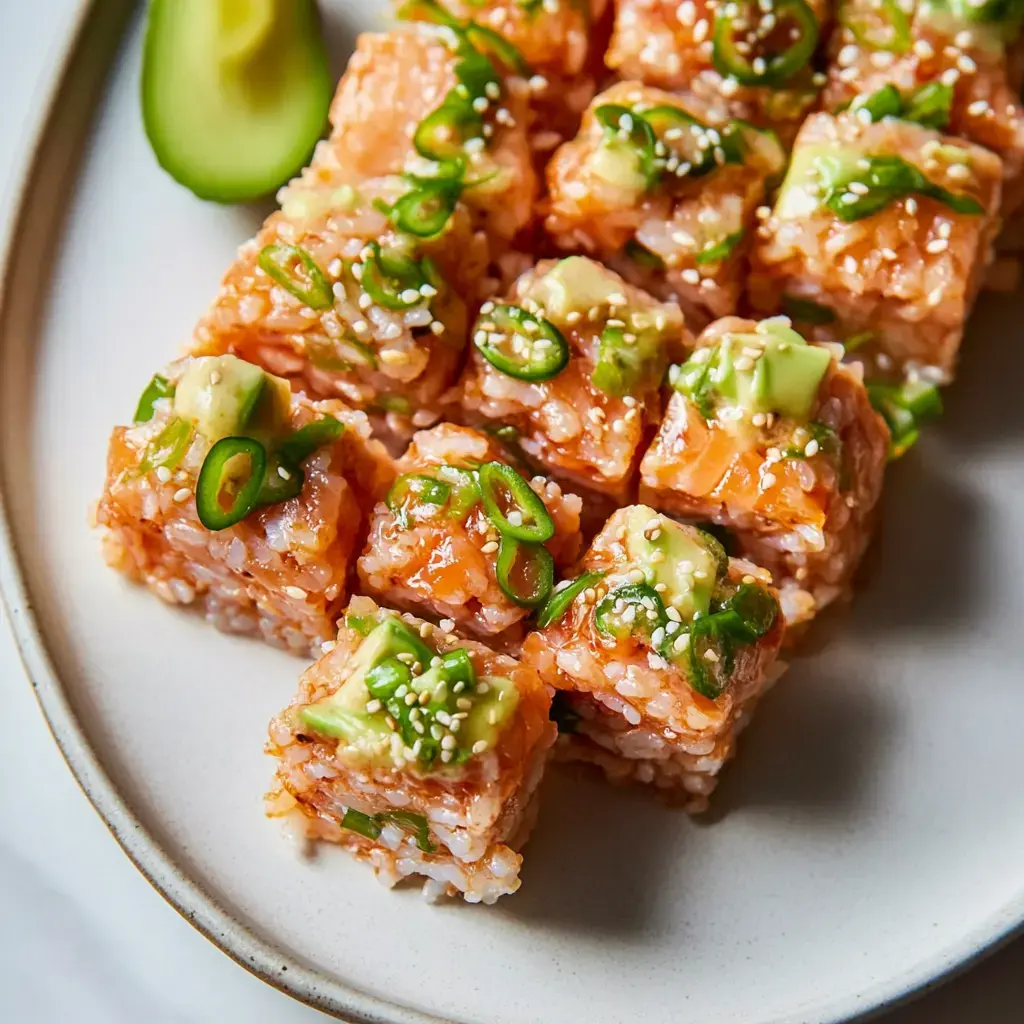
[869,838]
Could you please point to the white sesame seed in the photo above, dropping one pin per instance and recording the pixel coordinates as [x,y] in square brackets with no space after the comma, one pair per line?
[480,746]
[163,474]
[182,494]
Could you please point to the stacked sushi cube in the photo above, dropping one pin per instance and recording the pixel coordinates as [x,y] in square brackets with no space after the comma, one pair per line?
[503,461]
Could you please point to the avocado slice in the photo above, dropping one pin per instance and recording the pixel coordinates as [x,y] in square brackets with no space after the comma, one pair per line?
[573,285]
[679,557]
[235,93]
[224,395]
[342,715]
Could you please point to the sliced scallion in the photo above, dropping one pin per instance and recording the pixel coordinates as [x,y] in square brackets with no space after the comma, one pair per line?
[363,824]
[298,274]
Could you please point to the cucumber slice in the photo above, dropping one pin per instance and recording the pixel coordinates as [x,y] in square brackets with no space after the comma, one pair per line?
[235,93]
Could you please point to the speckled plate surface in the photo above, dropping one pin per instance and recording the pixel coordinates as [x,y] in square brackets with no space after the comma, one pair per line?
[869,838]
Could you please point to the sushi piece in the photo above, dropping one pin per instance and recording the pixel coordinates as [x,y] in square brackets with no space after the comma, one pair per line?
[880,235]
[659,650]
[750,60]
[777,441]
[665,191]
[955,67]
[570,364]
[417,751]
[358,287]
[462,537]
[555,40]
[236,496]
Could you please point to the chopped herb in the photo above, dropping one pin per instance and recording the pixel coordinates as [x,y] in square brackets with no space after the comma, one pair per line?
[356,821]
[643,256]
[715,252]
[559,602]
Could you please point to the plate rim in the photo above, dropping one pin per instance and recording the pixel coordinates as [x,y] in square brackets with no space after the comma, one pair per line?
[96,34]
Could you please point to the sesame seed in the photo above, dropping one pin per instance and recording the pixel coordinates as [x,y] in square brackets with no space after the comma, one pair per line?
[327,646]
[182,494]
[373,706]
[710,655]
[811,448]
[937,245]
[163,474]
[480,746]
[768,480]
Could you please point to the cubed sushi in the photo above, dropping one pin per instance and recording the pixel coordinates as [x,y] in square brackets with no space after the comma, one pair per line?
[881,233]
[236,496]
[665,192]
[952,66]
[462,537]
[777,441]
[572,362]
[752,60]
[417,751]
[555,40]
[658,649]
[358,287]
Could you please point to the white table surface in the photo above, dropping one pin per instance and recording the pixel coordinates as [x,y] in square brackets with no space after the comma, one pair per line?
[83,937]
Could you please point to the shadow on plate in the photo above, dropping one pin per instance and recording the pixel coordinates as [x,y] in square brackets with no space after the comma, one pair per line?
[596,856]
[814,746]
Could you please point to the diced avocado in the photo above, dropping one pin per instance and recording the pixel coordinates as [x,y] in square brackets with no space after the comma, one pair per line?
[235,93]
[490,713]
[783,380]
[809,169]
[224,395]
[573,285]
[620,166]
[299,204]
[677,557]
[343,714]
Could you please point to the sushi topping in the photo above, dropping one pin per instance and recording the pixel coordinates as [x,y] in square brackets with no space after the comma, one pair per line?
[425,211]
[564,595]
[764,43]
[929,105]
[643,256]
[371,826]
[904,407]
[873,183]
[519,343]
[772,371]
[885,27]
[414,496]
[628,362]
[394,280]
[525,572]
[628,135]
[159,387]
[715,252]
[298,274]
[686,147]
[168,448]
[512,505]
[411,705]
[230,481]
[633,609]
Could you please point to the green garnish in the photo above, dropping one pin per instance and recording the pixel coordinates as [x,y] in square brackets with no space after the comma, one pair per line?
[695,148]
[748,614]
[623,128]
[887,179]
[364,625]
[168,448]
[159,387]
[895,35]
[520,344]
[444,133]
[559,602]
[824,436]
[715,252]
[356,821]
[425,211]
[393,279]
[622,367]
[634,609]
[904,407]
[513,506]
[643,256]
[409,821]
[930,105]
[855,341]
[710,656]
[733,23]
[230,481]
[298,274]
[525,572]
[415,495]
[806,311]
[465,490]
[298,446]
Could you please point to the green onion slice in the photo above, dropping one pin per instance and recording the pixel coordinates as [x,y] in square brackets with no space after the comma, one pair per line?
[807,311]
[525,572]
[356,821]
[159,387]
[520,344]
[634,609]
[392,278]
[412,493]
[443,133]
[496,45]
[893,34]
[512,505]
[930,105]
[426,10]
[559,602]
[411,822]
[625,128]
[282,481]
[691,141]
[888,179]
[297,273]
[884,102]
[904,408]
[715,252]
[230,481]
[731,30]
[710,656]
[168,448]
[748,614]
[465,490]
